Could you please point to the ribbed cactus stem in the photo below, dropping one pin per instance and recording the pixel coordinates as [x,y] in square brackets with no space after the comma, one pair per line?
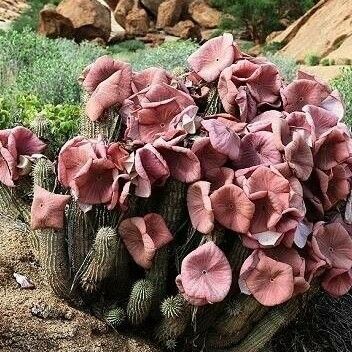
[264,331]
[41,127]
[237,256]
[100,261]
[107,126]
[212,102]
[140,301]
[173,204]
[54,260]
[44,174]
[176,314]
[115,317]
[157,274]
[239,314]
[12,206]
[80,235]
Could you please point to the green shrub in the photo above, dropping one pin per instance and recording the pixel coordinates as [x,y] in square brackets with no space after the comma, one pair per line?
[259,17]
[344,84]
[31,64]
[30,17]
[325,62]
[272,47]
[287,66]
[24,108]
[312,60]
[126,46]
[168,55]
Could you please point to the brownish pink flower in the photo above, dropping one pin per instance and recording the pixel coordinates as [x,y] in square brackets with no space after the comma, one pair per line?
[144,236]
[214,56]
[48,209]
[337,282]
[117,154]
[148,77]
[206,275]
[332,243]
[75,154]
[151,169]
[232,208]
[93,183]
[303,92]
[199,207]
[222,138]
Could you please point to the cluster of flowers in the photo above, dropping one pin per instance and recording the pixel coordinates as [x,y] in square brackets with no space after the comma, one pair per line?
[270,167]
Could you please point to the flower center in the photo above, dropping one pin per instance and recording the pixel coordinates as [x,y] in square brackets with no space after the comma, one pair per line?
[230,206]
[331,249]
[162,125]
[204,272]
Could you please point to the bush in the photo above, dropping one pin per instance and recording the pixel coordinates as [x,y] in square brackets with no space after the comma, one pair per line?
[30,64]
[312,60]
[30,17]
[272,47]
[126,46]
[24,108]
[287,66]
[259,17]
[344,85]
[168,55]
[325,62]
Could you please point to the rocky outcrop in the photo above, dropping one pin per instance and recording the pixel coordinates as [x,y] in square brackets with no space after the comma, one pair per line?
[169,13]
[122,9]
[203,14]
[185,29]
[53,25]
[325,31]
[137,22]
[90,19]
[10,9]
[152,5]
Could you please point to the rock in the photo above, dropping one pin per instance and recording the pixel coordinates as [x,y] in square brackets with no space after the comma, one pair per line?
[54,25]
[152,5]
[121,11]
[203,14]
[153,39]
[112,3]
[207,34]
[90,18]
[169,13]
[11,9]
[271,37]
[185,29]
[325,30]
[137,22]
[343,52]
[118,33]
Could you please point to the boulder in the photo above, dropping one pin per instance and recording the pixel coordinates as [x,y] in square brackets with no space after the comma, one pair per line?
[54,25]
[121,11]
[203,14]
[89,18]
[112,3]
[118,33]
[137,22]
[185,29]
[152,5]
[325,31]
[169,13]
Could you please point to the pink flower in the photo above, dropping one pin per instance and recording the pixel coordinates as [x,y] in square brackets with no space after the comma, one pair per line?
[303,92]
[332,243]
[183,164]
[144,236]
[199,207]
[93,183]
[48,209]
[258,148]
[151,169]
[74,155]
[337,282]
[232,208]
[117,154]
[148,77]
[270,282]
[222,138]
[206,275]
[299,157]
[214,56]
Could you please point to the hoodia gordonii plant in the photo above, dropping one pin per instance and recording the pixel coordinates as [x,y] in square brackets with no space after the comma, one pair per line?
[202,208]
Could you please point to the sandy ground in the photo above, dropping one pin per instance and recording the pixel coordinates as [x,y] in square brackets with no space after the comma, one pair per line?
[327,73]
[64,328]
